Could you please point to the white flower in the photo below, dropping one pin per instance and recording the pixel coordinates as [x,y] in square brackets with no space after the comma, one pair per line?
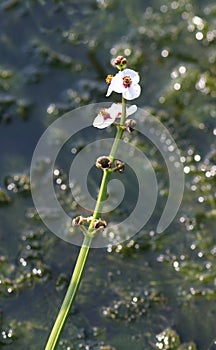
[107,116]
[125,82]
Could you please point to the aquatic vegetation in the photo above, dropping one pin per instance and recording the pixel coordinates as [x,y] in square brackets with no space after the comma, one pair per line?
[19,183]
[4,197]
[28,268]
[134,305]
[169,340]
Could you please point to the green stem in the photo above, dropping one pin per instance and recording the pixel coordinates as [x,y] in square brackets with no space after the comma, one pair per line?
[84,250]
[119,132]
[70,295]
[101,197]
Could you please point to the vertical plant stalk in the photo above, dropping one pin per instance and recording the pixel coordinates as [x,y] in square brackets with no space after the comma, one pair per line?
[70,295]
[84,250]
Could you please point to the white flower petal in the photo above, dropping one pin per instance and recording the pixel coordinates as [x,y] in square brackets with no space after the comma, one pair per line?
[98,121]
[134,75]
[115,110]
[136,79]
[132,92]
[117,83]
[109,91]
[101,123]
[131,110]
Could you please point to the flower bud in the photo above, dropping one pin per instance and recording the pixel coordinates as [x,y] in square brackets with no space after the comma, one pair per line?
[100,224]
[103,163]
[78,220]
[120,62]
[89,219]
[130,124]
[120,166]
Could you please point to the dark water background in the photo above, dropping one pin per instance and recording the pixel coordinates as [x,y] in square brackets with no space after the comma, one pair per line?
[54,56]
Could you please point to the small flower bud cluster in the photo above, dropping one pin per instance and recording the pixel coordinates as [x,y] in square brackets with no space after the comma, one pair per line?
[78,220]
[130,125]
[120,62]
[98,223]
[105,163]
[119,166]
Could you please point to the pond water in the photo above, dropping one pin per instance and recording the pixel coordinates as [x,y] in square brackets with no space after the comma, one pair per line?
[54,57]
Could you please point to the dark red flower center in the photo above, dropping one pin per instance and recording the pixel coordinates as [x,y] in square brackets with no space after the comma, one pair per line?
[127,81]
[105,114]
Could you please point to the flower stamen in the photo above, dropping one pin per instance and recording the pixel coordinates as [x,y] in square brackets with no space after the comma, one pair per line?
[103,112]
[109,78]
[127,81]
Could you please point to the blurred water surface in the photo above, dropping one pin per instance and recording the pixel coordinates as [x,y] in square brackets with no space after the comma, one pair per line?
[54,56]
